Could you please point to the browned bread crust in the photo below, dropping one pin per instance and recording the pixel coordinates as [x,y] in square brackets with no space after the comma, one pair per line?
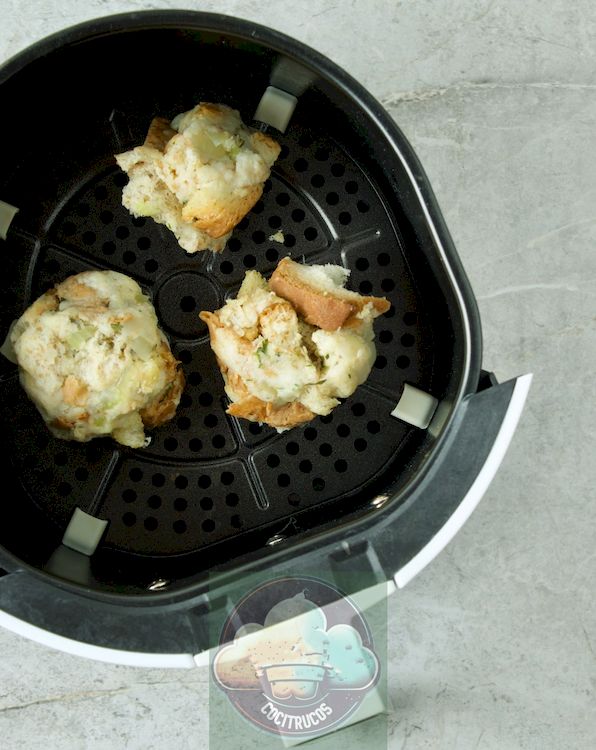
[320,307]
[159,133]
[218,217]
[248,406]
[265,145]
[255,410]
[164,407]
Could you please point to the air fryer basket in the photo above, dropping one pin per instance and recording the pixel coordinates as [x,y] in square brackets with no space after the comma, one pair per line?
[212,493]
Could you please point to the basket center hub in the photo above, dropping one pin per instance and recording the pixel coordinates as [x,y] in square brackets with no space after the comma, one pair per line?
[180,299]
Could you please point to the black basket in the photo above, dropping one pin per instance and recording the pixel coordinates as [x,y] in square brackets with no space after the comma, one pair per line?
[213,497]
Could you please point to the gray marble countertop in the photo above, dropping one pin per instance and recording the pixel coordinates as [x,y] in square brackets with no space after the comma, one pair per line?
[493,646]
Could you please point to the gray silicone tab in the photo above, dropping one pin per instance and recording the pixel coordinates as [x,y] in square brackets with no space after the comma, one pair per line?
[83,532]
[415,407]
[276,108]
[7,214]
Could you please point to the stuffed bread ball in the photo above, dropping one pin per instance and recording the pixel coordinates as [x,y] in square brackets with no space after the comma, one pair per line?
[291,347]
[94,361]
[199,174]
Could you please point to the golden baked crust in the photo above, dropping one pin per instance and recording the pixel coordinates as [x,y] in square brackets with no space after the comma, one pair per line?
[218,217]
[247,406]
[163,408]
[266,146]
[255,410]
[325,309]
[159,133]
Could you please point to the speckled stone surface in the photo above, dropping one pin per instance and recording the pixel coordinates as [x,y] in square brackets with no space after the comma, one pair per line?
[493,646]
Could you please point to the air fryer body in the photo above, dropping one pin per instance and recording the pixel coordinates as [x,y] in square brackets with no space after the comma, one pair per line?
[212,498]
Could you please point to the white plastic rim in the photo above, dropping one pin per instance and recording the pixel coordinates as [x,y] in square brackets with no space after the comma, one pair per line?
[98,653]
[474,494]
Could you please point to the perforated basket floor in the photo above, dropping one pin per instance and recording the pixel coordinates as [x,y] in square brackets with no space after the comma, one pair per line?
[207,479]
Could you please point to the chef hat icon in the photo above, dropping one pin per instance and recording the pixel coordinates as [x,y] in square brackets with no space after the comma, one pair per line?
[294,652]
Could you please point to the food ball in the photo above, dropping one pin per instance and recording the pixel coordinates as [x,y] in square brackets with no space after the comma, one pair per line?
[94,361]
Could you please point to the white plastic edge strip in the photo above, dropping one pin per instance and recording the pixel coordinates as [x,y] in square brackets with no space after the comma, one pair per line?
[365,598]
[99,653]
[476,491]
